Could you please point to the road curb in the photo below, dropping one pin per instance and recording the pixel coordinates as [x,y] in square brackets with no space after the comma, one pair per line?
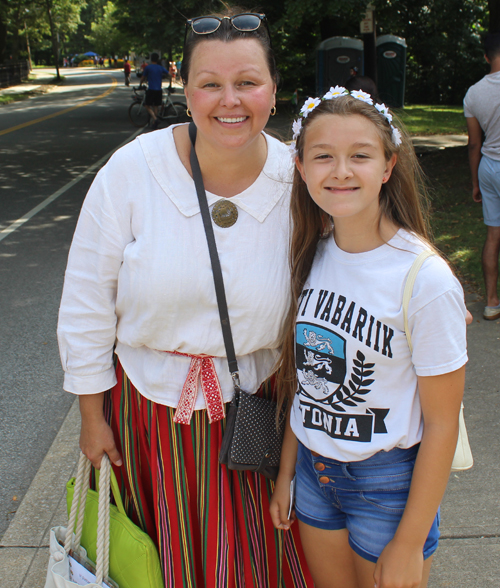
[24,546]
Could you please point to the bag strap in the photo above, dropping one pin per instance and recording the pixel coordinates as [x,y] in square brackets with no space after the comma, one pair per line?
[72,540]
[214,258]
[408,291]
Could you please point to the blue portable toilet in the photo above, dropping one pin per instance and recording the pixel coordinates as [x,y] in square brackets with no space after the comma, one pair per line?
[334,59]
[391,70]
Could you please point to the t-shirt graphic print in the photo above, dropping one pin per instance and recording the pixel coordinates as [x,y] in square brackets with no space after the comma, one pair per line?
[357,383]
[329,390]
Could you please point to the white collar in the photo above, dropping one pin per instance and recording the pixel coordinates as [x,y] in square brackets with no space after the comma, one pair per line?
[257,200]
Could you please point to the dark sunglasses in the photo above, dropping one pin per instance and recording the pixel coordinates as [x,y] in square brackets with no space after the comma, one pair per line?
[245,23]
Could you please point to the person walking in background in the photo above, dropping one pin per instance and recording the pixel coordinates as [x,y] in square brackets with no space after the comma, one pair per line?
[153,74]
[173,70]
[126,70]
[482,112]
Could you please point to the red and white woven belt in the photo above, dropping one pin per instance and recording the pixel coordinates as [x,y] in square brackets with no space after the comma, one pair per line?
[202,367]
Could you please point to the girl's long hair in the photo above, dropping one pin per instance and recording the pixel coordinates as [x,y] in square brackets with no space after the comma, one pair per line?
[403,200]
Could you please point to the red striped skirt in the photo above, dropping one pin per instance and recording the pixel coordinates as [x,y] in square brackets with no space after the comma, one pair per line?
[211,525]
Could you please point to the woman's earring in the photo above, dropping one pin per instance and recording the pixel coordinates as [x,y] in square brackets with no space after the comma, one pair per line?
[273,110]
[188,112]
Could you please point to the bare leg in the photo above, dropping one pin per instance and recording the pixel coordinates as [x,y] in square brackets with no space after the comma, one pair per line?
[152,111]
[329,557]
[491,252]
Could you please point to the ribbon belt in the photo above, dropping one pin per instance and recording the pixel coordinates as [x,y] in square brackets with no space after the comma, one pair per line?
[202,367]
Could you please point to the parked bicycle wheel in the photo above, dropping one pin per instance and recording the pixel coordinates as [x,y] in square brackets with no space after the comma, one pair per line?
[138,114]
[173,113]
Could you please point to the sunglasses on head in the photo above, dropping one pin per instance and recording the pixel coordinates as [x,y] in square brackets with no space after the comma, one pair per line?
[246,22]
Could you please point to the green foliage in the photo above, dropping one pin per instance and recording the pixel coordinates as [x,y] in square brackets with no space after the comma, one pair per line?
[445,54]
[30,18]
[456,220]
[105,37]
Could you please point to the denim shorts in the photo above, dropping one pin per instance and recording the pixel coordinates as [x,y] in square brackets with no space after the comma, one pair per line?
[366,497]
[489,184]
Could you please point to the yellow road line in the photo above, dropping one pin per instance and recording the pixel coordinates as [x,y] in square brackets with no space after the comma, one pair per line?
[114,83]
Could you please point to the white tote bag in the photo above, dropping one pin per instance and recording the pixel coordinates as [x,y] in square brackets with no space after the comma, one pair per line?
[68,564]
[462,459]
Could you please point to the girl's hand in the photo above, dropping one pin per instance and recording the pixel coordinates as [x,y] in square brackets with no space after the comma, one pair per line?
[96,436]
[280,504]
[399,566]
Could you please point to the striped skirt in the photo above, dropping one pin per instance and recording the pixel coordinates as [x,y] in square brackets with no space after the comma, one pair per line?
[211,525]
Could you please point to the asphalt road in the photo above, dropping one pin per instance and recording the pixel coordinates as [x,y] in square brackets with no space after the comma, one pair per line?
[45,143]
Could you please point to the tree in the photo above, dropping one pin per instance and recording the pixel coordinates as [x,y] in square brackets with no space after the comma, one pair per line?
[494,10]
[105,36]
[63,17]
[445,55]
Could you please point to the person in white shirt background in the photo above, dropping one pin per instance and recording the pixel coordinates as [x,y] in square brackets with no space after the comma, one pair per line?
[482,112]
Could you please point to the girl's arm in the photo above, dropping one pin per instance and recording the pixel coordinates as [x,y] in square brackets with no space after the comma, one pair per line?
[401,562]
[280,501]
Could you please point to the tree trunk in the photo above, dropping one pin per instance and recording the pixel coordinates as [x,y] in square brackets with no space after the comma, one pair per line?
[28,47]
[3,37]
[55,44]
[494,10]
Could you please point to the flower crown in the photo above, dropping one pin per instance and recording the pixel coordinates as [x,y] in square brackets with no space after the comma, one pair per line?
[311,103]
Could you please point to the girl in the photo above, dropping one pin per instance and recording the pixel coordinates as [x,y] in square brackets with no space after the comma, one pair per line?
[373,427]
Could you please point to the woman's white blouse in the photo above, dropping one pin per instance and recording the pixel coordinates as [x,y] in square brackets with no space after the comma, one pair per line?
[139,275]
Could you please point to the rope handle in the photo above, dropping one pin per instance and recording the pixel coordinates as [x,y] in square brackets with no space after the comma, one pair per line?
[72,540]
[408,291]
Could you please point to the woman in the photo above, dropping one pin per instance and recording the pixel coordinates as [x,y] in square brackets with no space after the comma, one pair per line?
[139,283]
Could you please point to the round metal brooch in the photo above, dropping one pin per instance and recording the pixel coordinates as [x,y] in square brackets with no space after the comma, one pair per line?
[224,213]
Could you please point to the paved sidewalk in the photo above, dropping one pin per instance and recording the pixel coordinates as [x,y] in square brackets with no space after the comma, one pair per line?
[40,79]
[469,552]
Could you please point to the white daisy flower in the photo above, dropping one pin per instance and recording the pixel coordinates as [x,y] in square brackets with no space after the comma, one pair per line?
[360,95]
[296,128]
[396,136]
[309,105]
[292,149]
[384,111]
[335,93]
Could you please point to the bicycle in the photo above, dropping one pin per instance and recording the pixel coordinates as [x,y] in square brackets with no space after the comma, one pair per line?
[169,111]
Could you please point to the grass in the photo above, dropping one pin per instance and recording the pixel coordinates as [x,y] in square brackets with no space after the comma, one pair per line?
[18,96]
[456,220]
[433,120]
[8,98]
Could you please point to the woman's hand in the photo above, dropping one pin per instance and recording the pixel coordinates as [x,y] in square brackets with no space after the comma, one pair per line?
[96,436]
[399,566]
[280,503]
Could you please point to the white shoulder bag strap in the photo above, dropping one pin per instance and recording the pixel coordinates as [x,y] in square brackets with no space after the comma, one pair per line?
[463,455]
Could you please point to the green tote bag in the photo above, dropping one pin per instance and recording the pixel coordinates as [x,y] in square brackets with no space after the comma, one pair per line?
[133,557]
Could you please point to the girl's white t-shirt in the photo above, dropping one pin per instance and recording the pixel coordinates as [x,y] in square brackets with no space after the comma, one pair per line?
[357,381]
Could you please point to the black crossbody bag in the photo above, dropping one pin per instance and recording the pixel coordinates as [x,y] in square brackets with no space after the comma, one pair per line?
[253,435]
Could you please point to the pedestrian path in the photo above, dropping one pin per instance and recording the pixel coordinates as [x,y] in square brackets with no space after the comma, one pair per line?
[469,552]
[39,79]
